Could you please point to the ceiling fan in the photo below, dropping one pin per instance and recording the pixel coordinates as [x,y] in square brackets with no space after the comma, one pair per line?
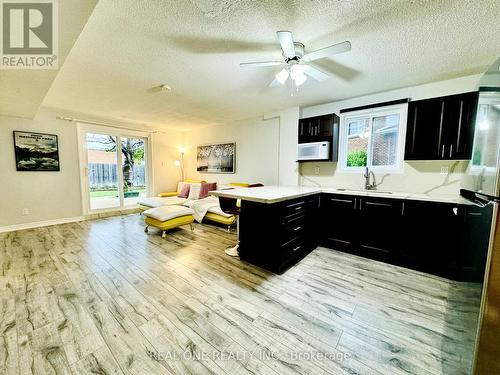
[297,64]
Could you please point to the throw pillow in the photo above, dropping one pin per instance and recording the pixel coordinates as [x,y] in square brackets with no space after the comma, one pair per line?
[206,187]
[184,193]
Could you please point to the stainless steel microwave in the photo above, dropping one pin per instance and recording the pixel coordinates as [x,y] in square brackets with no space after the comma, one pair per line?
[313,151]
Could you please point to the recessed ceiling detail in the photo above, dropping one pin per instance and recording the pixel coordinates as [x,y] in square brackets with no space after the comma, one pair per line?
[128,46]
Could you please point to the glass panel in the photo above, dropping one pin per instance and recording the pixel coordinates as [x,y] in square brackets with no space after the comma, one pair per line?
[102,171]
[134,170]
[384,148]
[358,131]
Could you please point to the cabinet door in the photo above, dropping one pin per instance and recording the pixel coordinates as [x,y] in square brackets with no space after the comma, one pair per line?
[378,229]
[424,130]
[338,221]
[474,241]
[430,236]
[463,134]
[325,126]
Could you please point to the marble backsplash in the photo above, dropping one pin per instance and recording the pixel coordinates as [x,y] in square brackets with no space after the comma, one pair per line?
[418,177]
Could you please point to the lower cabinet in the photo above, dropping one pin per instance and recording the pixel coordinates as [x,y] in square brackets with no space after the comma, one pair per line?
[444,239]
[276,236]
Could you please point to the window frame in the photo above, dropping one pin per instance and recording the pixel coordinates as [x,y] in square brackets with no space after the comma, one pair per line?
[371,113]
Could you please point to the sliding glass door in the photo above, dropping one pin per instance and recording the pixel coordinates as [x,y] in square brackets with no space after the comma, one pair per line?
[114,168]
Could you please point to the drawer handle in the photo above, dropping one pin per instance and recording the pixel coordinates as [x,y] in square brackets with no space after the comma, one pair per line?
[296,248]
[298,228]
[377,204]
[341,200]
[298,208]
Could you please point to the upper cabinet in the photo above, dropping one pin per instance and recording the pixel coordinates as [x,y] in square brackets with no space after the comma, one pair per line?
[321,129]
[318,129]
[441,128]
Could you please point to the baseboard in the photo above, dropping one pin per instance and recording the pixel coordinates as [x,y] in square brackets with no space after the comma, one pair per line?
[38,224]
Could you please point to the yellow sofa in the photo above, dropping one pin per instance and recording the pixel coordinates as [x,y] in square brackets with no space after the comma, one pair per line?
[175,193]
[210,216]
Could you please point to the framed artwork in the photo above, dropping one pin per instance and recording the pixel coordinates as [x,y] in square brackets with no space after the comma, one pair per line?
[217,158]
[36,152]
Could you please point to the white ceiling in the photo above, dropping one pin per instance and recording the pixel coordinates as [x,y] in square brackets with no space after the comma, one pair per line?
[22,91]
[195,46]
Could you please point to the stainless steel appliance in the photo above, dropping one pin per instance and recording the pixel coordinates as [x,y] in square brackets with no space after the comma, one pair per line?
[481,186]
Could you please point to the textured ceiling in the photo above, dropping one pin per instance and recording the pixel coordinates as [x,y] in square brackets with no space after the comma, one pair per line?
[22,91]
[129,46]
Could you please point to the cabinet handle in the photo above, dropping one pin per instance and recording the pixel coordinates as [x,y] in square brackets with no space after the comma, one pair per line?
[378,204]
[296,248]
[459,124]
[297,228]
[341,200]
[451,150]
[298,208]
[403,209]
[442,152]
[441,127]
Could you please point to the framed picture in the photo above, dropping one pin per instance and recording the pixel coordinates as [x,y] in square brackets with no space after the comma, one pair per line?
[36,152]
[218,158]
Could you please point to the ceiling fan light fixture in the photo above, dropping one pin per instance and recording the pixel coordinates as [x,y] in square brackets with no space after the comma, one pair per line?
[282,76]
[297,74]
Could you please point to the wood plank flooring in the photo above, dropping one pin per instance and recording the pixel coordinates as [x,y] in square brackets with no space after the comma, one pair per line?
[102,297]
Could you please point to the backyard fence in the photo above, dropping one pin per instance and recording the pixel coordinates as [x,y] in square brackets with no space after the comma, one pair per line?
[104,176]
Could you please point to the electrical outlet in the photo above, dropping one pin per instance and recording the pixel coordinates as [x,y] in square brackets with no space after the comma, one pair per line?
[316,169]
[25,211]
[444,170]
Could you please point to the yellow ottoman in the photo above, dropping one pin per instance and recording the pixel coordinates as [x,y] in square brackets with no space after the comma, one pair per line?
[168,217]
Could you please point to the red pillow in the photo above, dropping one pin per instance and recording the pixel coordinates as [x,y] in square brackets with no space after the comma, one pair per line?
[184,193]
[206,187]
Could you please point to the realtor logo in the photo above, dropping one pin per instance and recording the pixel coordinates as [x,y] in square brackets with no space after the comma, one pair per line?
[29,34]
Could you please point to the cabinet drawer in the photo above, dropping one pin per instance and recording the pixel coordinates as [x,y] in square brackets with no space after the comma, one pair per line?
[293,209]
[295,227]
[293,247]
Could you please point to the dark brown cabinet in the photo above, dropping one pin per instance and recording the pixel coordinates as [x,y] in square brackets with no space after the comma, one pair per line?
[276,236]
[321,129]
[441,128]
[444,239]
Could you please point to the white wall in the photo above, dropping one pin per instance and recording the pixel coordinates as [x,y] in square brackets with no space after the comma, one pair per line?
[418,176]
[48,195]
[257,148]
[57,195]
[166,149]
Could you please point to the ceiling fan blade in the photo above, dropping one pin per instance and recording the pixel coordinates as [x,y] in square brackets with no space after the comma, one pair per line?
[259,64]
[286,41]
[275,83]
[316,73]
[327,51]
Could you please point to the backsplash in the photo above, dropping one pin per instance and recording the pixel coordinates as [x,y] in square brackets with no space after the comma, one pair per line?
[418,177]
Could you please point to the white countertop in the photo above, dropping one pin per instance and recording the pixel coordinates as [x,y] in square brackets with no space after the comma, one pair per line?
[267,194]
[274,194]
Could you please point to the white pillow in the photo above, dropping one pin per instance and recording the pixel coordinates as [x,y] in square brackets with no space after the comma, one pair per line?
[194,192]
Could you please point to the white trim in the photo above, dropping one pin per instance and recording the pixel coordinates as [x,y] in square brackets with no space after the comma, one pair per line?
[401,110]
[119,133]
[38,224]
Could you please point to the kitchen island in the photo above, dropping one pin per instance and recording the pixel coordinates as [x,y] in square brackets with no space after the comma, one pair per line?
[278,225]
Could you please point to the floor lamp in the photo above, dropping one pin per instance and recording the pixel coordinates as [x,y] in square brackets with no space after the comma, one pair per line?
[180,164]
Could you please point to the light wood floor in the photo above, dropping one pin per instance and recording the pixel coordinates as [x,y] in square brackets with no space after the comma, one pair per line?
[102,297]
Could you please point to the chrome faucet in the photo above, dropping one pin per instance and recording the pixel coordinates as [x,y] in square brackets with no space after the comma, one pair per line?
[367,175]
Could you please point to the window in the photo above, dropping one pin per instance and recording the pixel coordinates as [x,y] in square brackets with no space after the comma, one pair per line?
[373,138]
